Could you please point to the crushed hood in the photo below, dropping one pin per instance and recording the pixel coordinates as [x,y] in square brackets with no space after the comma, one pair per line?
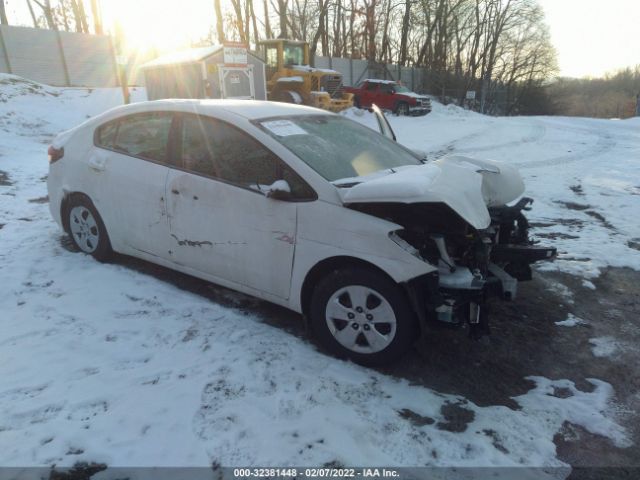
[467,185]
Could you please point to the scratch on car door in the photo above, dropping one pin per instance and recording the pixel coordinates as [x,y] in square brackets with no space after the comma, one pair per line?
[284,237]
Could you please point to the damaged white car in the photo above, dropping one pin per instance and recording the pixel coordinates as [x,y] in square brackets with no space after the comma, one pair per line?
[300,207]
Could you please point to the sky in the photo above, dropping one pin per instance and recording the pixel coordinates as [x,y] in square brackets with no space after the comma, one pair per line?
[591,37]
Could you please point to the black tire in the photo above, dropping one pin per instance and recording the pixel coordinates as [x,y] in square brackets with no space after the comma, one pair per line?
[328,290]
[86,228]
[356,102]
[287,96]
[402,108]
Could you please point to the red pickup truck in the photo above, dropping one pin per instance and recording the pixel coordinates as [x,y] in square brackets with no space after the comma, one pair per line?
[389,95]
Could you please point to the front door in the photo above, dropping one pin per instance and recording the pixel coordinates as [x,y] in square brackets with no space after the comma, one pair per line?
[221,222]
[237,82]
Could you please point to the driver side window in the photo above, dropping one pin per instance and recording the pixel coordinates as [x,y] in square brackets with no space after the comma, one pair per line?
[386,88]
[216,149]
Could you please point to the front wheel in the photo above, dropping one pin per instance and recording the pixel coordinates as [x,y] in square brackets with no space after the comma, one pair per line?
[87,229]
[362,315]
[402,109]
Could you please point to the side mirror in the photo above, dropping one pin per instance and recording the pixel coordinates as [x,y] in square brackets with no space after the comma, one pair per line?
[279,190]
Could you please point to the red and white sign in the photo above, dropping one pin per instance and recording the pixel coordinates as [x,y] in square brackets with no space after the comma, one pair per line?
[235,53]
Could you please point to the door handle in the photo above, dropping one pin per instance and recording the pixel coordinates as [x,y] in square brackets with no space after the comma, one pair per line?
[97,164]
[175,192]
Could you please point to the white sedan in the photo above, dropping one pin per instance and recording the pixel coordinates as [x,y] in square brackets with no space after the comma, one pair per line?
[300,207]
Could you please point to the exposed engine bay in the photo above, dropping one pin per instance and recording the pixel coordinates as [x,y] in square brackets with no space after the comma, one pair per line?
[474,265]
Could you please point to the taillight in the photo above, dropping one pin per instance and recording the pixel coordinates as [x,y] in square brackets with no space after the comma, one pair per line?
[55,154]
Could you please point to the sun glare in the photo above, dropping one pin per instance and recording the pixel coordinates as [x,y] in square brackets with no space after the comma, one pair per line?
[159,24]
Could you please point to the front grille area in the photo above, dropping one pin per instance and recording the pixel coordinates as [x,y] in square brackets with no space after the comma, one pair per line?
[332,84]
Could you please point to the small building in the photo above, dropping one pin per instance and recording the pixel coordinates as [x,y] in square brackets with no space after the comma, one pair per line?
[224,71]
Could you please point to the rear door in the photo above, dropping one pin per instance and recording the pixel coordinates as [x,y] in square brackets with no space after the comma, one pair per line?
[129,167]
[221,222]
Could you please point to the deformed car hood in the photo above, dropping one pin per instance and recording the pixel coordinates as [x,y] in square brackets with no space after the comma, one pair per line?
[413,95]
[467,185]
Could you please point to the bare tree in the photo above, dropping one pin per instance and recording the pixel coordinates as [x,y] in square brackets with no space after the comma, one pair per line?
[3,14]
[219,21]
[282,15]
[97,17]
[34,19]
[239,22]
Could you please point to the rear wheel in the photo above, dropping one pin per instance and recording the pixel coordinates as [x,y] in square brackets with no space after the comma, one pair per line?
[362,315]
[356,102]
[87,229]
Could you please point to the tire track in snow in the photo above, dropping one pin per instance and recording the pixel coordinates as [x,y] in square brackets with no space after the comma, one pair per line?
[603,144]
[536,133]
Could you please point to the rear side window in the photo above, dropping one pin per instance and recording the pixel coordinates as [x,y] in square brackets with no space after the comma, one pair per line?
[106,135]
[372,86]
[144,135]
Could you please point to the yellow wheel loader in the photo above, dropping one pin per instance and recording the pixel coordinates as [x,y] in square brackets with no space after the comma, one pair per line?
[291,79]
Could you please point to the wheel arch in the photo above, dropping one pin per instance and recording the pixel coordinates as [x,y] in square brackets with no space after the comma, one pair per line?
[326,266]
[64,205]
[399,103]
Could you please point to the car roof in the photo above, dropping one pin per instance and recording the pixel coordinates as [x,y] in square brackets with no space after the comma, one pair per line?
[378,80]
[249,109]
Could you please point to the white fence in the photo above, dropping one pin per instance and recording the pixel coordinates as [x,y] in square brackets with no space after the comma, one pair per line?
[354,71]
[79,59]
[58,58]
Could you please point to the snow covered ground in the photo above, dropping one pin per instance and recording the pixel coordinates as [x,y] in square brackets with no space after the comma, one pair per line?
[104,363]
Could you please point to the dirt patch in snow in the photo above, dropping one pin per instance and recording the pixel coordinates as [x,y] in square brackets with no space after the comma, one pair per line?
[456,417]
[4,179]
[634,243]
[573,205]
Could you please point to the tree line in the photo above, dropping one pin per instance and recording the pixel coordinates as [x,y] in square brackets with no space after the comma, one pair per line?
[500,49]
[612,96]
[497,48]
[68,15]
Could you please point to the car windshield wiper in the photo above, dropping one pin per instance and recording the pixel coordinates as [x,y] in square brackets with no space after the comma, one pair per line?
[350,182]
[346,184]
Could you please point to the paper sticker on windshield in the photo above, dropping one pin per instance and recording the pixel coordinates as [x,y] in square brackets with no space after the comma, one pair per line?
[283,128]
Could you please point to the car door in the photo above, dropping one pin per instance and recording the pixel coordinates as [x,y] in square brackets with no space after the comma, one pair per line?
[129,169]
[369,94]
[221,221]
[386,97]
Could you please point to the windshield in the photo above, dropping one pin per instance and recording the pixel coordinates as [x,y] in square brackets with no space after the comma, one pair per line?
[335,147]
[401,89]
[293,55]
